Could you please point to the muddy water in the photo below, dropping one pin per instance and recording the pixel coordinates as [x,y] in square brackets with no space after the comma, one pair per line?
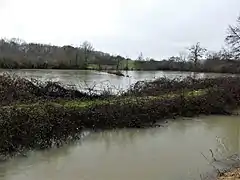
[168,153]
[99,81]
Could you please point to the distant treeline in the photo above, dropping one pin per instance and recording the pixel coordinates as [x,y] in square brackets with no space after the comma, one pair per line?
[17,54]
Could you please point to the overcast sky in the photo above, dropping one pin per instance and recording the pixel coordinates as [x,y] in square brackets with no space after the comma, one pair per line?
[157,28]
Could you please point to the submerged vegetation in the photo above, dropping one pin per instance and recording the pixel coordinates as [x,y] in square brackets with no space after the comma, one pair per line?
[35,115]
[117,73]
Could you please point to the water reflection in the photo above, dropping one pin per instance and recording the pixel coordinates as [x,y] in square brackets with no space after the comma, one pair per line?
[121,138]
[172,152]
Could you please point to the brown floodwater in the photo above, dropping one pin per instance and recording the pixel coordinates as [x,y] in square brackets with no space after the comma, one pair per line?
[172,152]
[99,81]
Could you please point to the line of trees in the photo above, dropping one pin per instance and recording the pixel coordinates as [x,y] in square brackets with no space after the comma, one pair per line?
[16,53]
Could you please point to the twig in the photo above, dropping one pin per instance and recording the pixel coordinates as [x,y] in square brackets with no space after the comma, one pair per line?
[212,154]
[211,164]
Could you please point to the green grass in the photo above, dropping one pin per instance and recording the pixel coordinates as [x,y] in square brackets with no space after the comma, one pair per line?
[81,104]
[131,99]
[130,64]
[122,65]
[93,66]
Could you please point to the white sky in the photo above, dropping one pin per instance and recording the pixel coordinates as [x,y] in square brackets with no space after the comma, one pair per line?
[158,28]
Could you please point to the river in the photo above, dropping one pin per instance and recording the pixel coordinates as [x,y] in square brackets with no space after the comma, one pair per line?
[82,79]
[172,152]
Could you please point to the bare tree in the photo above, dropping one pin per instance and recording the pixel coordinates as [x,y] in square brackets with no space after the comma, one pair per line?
[181,59]
[226,54]
[87,50]
[183,56]
[147,59]
[140,57]
[17,41]
[233,38]
[195,53]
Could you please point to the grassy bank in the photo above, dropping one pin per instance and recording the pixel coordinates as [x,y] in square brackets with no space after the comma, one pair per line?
[42,116]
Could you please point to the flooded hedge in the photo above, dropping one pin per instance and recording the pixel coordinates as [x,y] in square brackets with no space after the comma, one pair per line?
[16,89]
[45,123]
[165,85]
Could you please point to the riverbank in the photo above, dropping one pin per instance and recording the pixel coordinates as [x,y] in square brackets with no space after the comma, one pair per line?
[231,175]
[41,116]
[224,169]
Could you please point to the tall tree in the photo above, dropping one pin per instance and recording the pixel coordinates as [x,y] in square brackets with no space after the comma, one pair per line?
[233,38]
[195,53]
[87,50]
[119,59]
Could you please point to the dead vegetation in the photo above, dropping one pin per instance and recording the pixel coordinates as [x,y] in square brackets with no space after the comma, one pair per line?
[231,175]
[36,116]
[16,89]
